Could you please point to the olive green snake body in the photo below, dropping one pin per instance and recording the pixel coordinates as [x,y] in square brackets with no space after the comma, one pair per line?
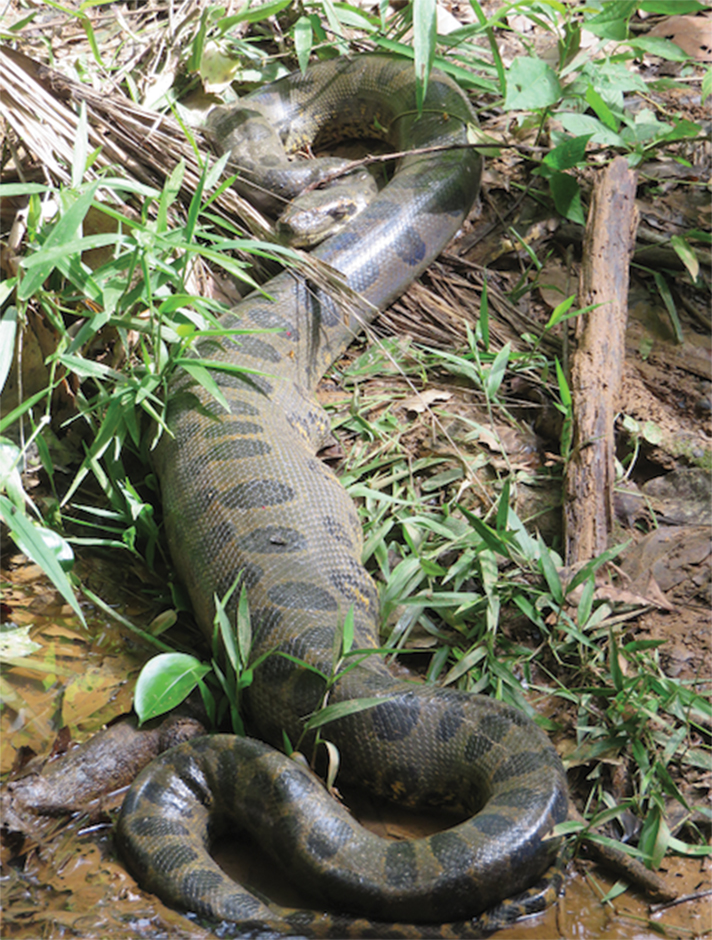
[245,497]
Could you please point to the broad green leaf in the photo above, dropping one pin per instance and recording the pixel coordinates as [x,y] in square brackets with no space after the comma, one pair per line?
[581,125]
[566,193]
[612,22]
[685,848]
[204,378]
[166,681]
[603,112]
[567,154]
[531,85]
[656,45]
[683,130]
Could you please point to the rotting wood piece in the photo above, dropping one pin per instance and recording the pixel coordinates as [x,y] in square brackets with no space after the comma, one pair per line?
[597,362]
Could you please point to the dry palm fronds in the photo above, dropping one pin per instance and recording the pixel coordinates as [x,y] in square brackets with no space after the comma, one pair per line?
[36,102]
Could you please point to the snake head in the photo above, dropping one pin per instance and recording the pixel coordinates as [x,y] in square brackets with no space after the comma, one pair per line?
[318,213]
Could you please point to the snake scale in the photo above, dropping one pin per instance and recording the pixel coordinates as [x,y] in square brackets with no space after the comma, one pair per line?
[245,497]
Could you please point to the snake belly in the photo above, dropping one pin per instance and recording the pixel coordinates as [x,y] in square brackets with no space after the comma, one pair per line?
[245,498]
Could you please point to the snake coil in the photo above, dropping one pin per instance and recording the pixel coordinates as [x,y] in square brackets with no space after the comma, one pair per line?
[245,496]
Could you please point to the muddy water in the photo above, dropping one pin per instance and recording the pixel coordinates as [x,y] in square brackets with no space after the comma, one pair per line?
[65,879]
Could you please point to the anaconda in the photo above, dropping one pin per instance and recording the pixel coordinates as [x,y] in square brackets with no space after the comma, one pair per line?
[246,499]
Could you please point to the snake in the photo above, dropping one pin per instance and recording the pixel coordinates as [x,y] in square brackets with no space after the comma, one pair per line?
[249,505]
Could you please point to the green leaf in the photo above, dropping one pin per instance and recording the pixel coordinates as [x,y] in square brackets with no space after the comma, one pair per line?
[564,390]
[550,573]
[64,231]
[303,40]
[10,479]
[424,38]
[603,112]
[656,45]
[559,312]
[22,189]
[612,22]
[224,628]
[483,321]
[473,656]
[585,124]
[531,85]
[332,18]
[566,194]
[503,507]
[244,628]
[672,7]
[682,130]
[491,539]
[586,602]
[497,371]
[683,250]
[614,663]
[8,329]
[347,632]
[166,681]
[341,710]
[669,301]
[44,547]
[568,154]
[253,14]
[654,836]
[706,85]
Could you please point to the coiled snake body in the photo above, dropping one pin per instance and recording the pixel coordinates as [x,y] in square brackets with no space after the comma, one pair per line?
[244,495]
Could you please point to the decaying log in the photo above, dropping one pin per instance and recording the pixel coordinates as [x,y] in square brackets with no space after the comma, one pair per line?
[107,761]
[597,362]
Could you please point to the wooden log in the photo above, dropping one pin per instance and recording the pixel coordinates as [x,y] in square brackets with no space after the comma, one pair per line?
[597,362]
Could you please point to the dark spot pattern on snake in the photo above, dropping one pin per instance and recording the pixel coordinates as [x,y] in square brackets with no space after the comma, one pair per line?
[256,494]
[246,502]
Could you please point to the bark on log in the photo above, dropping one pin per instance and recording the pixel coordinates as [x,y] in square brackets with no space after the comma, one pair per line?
[597,362]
